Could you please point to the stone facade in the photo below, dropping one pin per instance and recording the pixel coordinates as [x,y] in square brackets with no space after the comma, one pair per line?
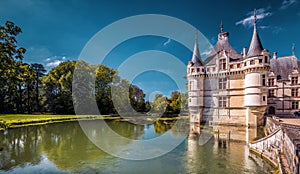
[283,85]
[237,89]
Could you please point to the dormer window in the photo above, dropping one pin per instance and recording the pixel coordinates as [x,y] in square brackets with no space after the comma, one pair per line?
[266,59]
[271,82]
[222,64]
[294,80]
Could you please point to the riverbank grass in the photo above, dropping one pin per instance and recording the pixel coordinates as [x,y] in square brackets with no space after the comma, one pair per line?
[21,120]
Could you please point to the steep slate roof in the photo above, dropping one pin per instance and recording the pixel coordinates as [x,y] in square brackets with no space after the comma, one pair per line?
[256,47]
[222,44]
[196,59]
[293,132]
[284,66]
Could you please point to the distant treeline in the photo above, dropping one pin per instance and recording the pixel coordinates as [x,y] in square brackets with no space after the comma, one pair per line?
[27,88]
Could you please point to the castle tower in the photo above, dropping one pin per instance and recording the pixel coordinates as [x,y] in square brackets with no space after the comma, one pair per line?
[256,67]
[195,76]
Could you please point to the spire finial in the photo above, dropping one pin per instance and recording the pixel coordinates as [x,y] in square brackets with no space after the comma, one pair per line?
[255,17]
[256,47]
[293,49]
[196,59]
[221,27]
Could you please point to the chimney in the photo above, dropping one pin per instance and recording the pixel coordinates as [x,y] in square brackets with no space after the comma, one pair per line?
[274,55]
[244,52]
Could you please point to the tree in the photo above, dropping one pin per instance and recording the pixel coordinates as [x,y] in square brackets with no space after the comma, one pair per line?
[160,103]
[103,83]
[11,59]
[29,75]
[39,72]
[57,86]
[172,106]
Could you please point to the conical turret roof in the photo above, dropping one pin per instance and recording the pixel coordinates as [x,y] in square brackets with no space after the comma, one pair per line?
[196,59]
[256,47]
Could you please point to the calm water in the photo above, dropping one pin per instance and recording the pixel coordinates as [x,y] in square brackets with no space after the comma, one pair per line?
[64,148]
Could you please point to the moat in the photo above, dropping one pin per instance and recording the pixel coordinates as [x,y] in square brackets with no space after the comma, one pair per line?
[64,148]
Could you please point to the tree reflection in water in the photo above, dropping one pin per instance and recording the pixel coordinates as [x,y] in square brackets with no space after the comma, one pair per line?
[64,147]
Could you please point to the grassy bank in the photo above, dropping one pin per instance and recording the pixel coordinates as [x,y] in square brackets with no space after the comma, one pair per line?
[21,120]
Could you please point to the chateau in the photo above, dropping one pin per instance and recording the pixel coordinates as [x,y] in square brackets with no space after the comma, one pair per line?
[238,89]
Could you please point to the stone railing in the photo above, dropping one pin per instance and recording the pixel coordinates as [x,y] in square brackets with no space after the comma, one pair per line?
[269,147]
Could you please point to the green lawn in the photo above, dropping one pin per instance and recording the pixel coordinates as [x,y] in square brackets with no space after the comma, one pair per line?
[19,120]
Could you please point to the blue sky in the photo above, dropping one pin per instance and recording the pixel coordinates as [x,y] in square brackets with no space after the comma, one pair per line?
[56,31]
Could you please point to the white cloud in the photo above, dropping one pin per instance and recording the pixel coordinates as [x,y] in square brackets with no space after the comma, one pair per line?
[260,14]
[264,27]
[205,53]
[286,3]
[53,63]
[167,42]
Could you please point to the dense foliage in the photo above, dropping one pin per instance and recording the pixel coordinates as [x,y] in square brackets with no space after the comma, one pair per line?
[176,104]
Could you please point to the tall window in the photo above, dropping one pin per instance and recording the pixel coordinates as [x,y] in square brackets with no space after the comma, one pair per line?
[294,92]
[271,82]
[252,62]
[222,101]
[222,64]
[294,80]
[222,83]
[190,86]
[266,59]
[295,105]
[263,78]
[271,93]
